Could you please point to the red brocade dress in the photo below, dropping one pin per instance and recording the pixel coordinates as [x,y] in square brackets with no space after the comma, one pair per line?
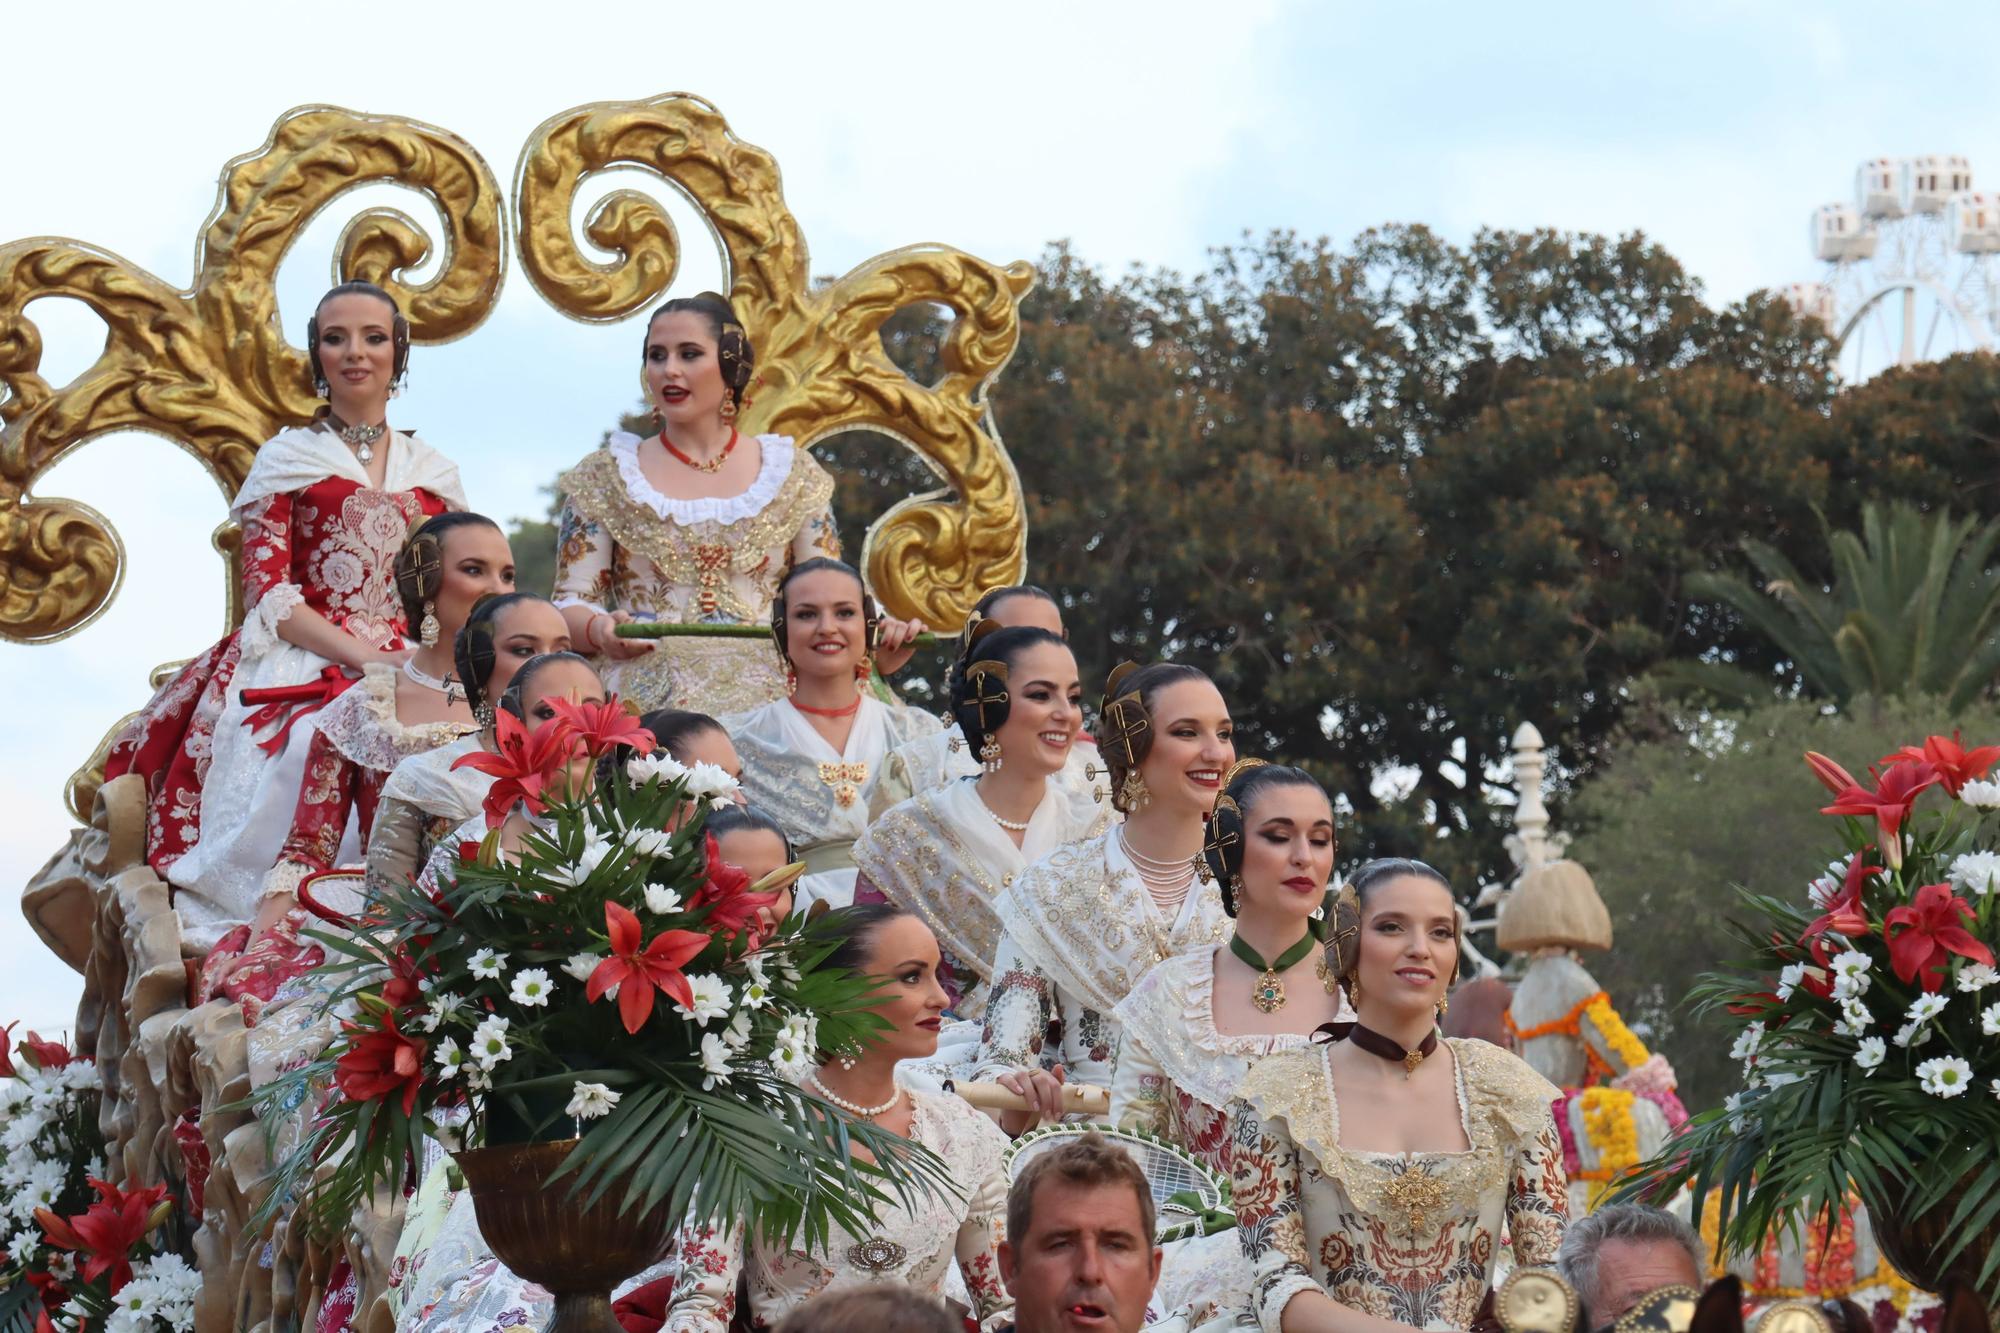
[223,778]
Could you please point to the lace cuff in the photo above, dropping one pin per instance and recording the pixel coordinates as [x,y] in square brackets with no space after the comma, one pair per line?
[1273,1296]
[260,626]
[283,879]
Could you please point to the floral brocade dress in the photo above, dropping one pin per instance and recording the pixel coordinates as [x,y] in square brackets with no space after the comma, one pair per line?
[1408,1237]
[223,777]
[623,545]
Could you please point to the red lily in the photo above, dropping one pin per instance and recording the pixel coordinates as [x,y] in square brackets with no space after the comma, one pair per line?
[1831,775]
[604,726]
[45,1054]
[1896,790]
[1755,1002]
[7,1069]
[526,764]
[379,1062]
[1955,764]
[1924,933]
[638,972]
[725,893]
[1844,913]
[403,987]
[1819,977]
[106,1231]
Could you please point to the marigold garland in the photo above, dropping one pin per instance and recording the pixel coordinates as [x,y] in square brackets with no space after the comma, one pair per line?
[1607,1123]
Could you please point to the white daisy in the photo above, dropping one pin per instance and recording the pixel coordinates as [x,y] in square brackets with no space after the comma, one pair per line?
[441,1010]
[531,988]
[1870,1053]
[711,998]
[1747,1042]
[737,1034]
[1974,977]
[581,965]
[792,1061]
[649,841]
[644,768]
[486,964]
[710,780]
[449,1058]
[1946,1076]
[1856,1013]
[1989,1020]
[715,1061]
[588,1101]
[1976,872]
[661,900]
[1790,979]
[1911,1034]
[489,1043]
[1981,795]
[1926,1007]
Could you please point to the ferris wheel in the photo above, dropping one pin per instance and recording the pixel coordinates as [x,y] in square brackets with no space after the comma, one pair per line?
[1910,270]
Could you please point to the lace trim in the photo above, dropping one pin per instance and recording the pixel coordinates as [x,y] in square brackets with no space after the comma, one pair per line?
[260,627]
[1172,1014]
[778,452]
[367,731]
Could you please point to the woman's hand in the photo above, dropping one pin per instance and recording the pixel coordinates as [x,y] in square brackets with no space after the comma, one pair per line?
[895,640]
[605,640]
[271,912]
[394,657]
[1042,1089]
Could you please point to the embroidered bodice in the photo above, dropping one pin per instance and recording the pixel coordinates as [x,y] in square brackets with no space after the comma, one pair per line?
[915,1246]
[1409,1237]
[331,546]
[819,794]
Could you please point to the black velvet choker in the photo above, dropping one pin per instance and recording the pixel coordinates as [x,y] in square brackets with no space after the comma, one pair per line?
[1373,1042]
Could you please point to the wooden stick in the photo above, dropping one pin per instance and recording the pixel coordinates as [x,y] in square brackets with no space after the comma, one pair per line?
[1076,1097]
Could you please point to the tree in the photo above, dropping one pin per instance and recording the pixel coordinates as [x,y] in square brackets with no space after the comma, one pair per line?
[1686,810]
[1914,609]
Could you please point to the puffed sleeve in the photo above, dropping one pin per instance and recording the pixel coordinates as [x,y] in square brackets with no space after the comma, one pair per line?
[705,1299]
[818,537]
[1270,1223]
[1538,1199]
[1017,1015]
[584,575]
[269,594]
[978,1250]
[395,845]
[892,784]
[1139,1089]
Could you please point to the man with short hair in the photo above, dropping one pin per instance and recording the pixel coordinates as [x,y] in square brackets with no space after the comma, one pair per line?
[1079,1255]
[1622,1251]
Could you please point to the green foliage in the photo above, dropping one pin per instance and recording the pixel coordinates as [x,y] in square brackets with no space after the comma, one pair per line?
[1685,810]
[1914,609]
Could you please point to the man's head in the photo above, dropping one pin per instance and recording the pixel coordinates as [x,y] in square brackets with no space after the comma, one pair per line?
[1624,1250]
[1079,1255]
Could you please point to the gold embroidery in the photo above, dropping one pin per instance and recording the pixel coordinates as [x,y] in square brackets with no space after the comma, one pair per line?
[1415,1194]
[709,562]
[914,856]
[847,780]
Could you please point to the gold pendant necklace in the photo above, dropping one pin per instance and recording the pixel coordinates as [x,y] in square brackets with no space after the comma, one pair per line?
[1269,992]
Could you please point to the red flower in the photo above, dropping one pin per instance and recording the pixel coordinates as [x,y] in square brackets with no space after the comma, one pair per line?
[1819,977]
[526,764]
[106,1231]
[379,1062]
[7,1069]
[1923,934]
[1896,790]
[604,726]
[726,893]
[403,988]
[1755,1002]
[637,973]
[45,1054]
[1835,778]
[1955,764]
[1844,914]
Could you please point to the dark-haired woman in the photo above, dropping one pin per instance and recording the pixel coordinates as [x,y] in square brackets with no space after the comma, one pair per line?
[693,523]
[946,854]
[812,757]
[1374,1176]
[1082,925]
[1194,1025]
[323,512]
[425,797]
[930,763]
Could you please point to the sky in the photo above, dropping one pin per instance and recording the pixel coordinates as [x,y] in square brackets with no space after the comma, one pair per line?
[1142,133]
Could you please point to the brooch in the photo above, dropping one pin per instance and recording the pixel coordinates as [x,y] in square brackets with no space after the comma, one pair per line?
[846,781]
[876,1255]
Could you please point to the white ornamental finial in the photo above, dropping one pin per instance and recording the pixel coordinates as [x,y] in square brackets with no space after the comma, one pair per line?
[1530,843]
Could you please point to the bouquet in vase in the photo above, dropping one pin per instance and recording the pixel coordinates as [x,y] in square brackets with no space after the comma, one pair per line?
[1867,1017]
[612,980]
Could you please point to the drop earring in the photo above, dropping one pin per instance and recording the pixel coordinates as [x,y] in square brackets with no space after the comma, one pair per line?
[1132,793]
[320,387]
[430,629]
[728,409]
[989,755]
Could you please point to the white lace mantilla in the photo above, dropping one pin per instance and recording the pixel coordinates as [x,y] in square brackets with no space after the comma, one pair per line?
[362,723]
[429,782]
[777,450]
[1171,1013]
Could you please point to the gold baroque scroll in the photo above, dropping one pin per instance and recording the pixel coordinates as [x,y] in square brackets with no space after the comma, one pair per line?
[209,368]
[821,368]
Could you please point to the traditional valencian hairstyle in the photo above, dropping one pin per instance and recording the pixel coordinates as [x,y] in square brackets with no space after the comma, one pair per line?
[1343,939]
[473,652]
[871,614]
[992,597]
[1125,724]
[734,355]
[744,819]
[419,565]
[1222,852]
[981,696]
[515,699]
[399,333]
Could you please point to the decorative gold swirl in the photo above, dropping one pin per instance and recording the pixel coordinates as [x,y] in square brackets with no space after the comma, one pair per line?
[209,368]
[821,368]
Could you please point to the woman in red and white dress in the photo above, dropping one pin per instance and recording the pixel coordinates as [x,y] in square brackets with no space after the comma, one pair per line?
[324,511]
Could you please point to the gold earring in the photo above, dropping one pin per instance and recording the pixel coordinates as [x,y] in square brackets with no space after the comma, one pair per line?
[430,629]
[1132,793]
[728,409]
[1444,1004]
[1354,991]
[989,754]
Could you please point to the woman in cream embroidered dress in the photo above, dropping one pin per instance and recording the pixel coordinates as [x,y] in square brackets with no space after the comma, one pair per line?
[694,524]
[810,758]
[917,1246]
[931,763]
[1374,1175]
[1195,1024]
[1082,925]
[425,796]
[323,512]
[945,855]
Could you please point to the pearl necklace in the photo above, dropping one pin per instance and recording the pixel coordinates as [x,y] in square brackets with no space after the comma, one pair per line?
[854,1109]
[1166,881]
[1008,824]
[424,678]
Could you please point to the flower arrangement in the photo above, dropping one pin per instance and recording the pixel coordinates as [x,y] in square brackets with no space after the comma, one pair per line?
[1865,1017]
[80,1253]
[613,980]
